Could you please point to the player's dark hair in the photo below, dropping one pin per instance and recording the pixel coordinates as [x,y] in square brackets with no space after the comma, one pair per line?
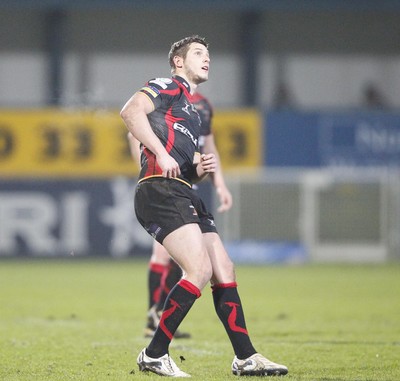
[181,47]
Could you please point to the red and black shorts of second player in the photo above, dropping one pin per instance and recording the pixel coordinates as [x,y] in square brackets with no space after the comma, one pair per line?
[164,205]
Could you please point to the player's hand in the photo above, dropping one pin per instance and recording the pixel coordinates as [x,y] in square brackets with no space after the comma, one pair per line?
[169,166]
[225,199]
[208,162]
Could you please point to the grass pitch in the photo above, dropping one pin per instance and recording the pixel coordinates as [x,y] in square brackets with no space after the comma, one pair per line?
[83,320]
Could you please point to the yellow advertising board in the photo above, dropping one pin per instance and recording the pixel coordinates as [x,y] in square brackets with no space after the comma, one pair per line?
[51,143]
[239,138]
[55,142]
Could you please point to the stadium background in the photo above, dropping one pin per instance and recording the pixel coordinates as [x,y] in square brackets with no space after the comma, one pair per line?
[311,157]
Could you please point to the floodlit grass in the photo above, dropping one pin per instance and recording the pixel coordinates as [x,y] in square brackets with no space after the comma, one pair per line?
[83,320]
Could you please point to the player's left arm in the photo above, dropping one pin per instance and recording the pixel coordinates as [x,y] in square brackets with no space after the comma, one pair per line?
[224,195]
[203,165]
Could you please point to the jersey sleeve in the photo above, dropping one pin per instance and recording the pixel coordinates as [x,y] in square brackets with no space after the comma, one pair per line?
[159,90]
[205,111]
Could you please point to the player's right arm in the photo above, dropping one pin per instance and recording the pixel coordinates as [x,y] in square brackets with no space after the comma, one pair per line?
[134,148]
[134,114]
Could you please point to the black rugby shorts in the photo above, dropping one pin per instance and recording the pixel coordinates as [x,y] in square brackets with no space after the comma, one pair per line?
[164,205]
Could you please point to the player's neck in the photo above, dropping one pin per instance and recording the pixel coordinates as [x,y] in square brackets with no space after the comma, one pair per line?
[193,86]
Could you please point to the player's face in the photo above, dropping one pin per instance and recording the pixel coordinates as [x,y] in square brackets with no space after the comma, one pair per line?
[197,63]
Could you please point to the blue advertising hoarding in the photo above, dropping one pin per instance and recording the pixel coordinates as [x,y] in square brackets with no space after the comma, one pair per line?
[61,217]
[346,139]
[73,217]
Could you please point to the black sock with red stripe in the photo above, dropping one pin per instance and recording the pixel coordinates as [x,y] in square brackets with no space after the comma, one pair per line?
[177,305]
[154,281]
[229,310]
[171,276]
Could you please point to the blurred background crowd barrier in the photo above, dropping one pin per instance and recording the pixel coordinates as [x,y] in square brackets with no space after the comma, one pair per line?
[306,98]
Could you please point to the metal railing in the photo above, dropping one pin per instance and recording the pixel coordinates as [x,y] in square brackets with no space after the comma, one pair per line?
[336,214]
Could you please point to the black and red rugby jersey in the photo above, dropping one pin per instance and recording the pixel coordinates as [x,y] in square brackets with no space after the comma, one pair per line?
[176,123]
[205,111]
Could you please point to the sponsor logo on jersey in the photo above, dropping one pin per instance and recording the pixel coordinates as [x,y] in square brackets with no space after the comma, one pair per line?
[162,82]
[179,127]
[151,91]
[201,141]
[186,108]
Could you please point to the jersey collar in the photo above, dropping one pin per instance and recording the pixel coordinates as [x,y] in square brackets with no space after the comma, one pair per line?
[183,82]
